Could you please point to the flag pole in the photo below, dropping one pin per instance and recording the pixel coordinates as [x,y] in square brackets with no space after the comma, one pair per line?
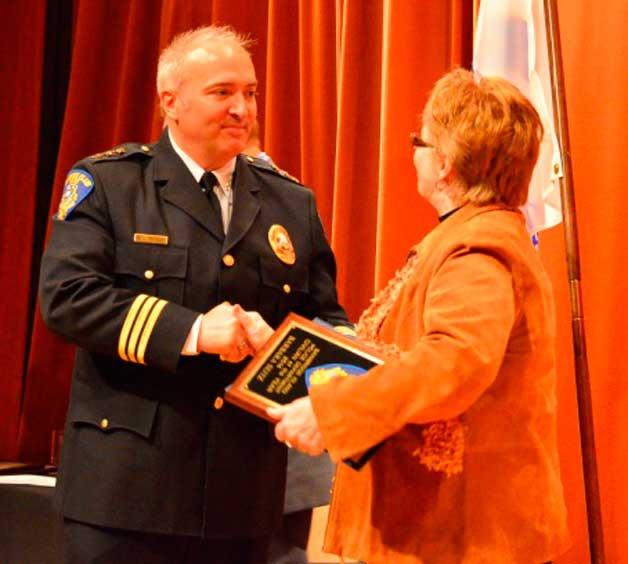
[583,387]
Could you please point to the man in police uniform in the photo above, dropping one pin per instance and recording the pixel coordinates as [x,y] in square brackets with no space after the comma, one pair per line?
[151,249]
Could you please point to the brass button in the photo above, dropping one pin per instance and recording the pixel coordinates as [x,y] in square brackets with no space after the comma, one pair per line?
[149,274]
[556,168]
[145,148]
[286,288]
[228,260]
[218,403]
[104,423]
[250,158]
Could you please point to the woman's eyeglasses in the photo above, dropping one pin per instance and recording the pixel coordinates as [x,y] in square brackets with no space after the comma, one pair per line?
[416,142]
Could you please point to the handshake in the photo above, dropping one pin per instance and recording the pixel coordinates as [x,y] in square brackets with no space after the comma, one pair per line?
[231,332]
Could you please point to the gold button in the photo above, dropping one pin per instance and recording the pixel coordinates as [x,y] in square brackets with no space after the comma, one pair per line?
[149,274]
[286,288]
[145,148]
[556,168]
[104,423]
[218,403]
[249,158]
[228,260]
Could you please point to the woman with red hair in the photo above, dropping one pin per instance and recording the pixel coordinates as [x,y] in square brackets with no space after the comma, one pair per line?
[465,404]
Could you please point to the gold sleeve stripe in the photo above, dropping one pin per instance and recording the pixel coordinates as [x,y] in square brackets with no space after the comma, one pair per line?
[138,326]
[148,329]
[129,320]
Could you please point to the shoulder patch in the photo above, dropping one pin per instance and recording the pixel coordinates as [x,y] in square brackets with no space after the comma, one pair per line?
[123,151]
[271,167]
[77,187]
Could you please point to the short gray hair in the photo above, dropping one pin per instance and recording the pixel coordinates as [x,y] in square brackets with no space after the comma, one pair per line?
[169,67]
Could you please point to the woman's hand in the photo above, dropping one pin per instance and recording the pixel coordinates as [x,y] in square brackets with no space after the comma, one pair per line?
[297,426]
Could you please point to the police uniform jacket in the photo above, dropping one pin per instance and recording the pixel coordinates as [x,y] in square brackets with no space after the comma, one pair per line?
[136,253]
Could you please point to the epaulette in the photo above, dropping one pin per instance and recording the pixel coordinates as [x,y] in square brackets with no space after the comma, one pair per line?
[123,151]
[269,167]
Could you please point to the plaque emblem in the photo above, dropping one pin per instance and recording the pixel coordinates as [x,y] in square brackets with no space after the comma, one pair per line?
[318,375]
[281,244]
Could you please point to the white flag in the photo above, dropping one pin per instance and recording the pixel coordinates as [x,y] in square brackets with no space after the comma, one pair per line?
[510,42]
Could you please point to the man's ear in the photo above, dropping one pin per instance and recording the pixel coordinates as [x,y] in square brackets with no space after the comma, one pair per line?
[169,106]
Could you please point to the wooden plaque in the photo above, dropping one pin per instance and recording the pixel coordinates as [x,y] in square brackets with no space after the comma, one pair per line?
[300,354]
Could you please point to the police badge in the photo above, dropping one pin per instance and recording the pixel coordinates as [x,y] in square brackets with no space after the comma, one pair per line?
[281,244]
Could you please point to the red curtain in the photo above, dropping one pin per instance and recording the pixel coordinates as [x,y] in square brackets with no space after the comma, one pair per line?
[21,58]
[342,84]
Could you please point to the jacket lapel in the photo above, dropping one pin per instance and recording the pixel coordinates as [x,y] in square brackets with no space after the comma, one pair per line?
[246,204]
[181,190]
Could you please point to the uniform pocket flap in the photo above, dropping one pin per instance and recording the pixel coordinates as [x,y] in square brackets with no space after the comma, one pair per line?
[124,412]
[151,262]
[277,275]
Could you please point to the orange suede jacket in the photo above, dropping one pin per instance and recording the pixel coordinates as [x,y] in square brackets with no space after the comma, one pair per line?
[474,321]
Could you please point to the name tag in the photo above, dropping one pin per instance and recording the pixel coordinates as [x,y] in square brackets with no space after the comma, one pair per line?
[150,239]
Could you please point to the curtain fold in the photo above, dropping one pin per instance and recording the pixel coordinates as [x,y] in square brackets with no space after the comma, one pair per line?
[356,167]
[317,86]
[22,55]
[283,108]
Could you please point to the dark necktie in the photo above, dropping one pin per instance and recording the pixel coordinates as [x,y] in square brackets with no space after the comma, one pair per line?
[207,182]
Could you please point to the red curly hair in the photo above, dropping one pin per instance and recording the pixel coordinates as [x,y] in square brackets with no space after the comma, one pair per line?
[490,130]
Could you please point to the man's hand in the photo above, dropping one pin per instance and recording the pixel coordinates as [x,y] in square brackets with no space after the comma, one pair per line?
[297,426]
[222,333]
[257,330]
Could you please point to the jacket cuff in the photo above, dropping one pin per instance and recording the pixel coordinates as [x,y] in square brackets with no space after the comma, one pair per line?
[154,332]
